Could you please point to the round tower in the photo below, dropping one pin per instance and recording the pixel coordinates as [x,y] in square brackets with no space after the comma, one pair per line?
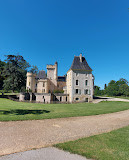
[30,82]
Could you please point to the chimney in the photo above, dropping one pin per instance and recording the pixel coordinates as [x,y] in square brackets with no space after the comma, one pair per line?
[80,57]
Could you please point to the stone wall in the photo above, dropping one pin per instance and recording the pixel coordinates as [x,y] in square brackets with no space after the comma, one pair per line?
[43,98]
[31,82]
[61,97]
[43,86]
[60,85]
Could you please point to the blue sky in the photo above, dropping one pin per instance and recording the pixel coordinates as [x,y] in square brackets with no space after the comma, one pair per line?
[45,31]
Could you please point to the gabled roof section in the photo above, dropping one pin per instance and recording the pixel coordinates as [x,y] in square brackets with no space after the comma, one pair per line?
[80,63]
[41,75]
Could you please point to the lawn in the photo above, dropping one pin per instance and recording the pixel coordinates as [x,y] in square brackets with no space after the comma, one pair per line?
[11,110]
[108,146]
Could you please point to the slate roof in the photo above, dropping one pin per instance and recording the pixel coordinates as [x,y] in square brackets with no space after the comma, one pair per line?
[41,75]
[61,78]
[77,64]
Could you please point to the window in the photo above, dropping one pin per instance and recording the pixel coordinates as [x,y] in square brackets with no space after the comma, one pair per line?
[76,91]
[66,99]
[43,84]
[86,82]
[77,99]
[86,91]
[60,98]
[43,90]
[76,82]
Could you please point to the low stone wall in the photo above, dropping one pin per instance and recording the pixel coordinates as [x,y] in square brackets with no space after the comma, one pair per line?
[43,98]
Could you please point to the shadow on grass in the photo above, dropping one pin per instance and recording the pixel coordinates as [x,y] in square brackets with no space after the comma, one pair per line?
[23,111]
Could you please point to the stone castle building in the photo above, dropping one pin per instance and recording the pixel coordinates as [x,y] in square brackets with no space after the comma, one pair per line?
[76,86]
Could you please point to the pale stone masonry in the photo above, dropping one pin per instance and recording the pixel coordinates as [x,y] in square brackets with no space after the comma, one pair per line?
[80,81]
[77,86]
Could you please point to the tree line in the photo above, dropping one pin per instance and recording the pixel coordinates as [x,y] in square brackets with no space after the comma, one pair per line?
[13,73]
[114,88]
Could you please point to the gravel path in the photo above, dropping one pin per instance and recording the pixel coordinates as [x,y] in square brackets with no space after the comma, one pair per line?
[109,99]
[50,153]
[21,136]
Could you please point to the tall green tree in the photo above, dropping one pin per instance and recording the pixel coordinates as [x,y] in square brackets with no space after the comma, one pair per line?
[2,65]
[112,88]
[15,70]
[98,91]
[34,69]
[124,90]
[122,81]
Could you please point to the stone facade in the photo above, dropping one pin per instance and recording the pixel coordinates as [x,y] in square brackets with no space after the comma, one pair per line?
[31,82]
[80,81]
[77,85]
[80,86]
[43,97]
[42,86]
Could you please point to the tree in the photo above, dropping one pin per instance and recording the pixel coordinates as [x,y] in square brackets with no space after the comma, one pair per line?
[2,65]
[122,81]
[34,69]
[15,70]
[112,88]
[105,86]
[124,90]
[97,90]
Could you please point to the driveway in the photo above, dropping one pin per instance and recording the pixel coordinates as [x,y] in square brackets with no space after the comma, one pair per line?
[21,136]
[100,99]
[49,153]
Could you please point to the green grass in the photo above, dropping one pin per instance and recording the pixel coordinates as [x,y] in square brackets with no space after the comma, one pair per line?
[12,111]
[9,93]
[108,146]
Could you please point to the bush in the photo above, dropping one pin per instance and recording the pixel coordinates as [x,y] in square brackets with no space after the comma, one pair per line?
[58,91]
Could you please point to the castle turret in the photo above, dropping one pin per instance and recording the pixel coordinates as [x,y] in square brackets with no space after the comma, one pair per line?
[56,71]
[52,75]
[52,71]
[30,82]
